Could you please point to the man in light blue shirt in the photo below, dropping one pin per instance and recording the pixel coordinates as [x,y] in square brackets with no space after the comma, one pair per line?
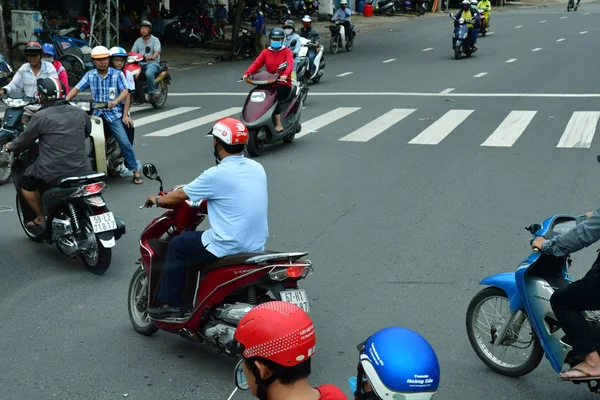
[343,14]
[236,191]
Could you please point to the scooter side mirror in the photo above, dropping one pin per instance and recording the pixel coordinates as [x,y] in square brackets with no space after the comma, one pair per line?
[150,171]
[598,158]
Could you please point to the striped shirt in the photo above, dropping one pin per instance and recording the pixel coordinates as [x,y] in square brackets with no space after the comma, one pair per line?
[25,81]
[104,90]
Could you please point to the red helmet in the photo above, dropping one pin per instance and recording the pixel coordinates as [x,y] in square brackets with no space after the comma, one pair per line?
[230,131]
[33,48]
[277,331]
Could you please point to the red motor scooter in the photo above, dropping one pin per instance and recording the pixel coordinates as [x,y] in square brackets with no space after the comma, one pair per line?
[219,294]
[259,108]
[162,79]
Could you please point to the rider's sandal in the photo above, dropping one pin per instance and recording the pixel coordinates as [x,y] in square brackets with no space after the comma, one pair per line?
[586,376]
[137,180]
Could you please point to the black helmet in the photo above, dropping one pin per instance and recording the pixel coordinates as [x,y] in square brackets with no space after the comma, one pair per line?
[50,89]
[33,49]
[289,23]
[146,23]
[276,33]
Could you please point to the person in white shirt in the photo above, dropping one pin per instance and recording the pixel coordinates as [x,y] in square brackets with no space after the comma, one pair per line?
[25,80]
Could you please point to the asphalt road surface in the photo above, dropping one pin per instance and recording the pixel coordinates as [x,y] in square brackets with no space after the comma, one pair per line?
[412,180]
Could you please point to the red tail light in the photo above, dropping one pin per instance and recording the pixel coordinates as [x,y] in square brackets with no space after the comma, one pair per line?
[291,272]
[94,188]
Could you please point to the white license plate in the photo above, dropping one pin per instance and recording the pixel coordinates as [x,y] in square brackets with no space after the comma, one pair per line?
[297,297]
[103,222]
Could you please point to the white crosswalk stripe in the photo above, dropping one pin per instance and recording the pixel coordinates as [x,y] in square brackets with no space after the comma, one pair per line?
[325,119]
[162,115]
[579,131]
[378,125]
[196,122]
[510,129]
[441,128]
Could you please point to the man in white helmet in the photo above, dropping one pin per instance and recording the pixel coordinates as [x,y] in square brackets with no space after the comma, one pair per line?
[108,84]
[343,14]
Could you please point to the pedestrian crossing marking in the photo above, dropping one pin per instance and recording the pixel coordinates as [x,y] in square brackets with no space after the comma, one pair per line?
[325,119]
[580,130]
[162,115]
[441,128]
[378,125]
[510,129]
[196,122]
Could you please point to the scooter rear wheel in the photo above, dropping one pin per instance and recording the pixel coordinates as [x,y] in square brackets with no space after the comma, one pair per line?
[6,170]
[487,355]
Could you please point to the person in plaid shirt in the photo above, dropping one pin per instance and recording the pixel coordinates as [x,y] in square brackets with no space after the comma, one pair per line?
[108,85]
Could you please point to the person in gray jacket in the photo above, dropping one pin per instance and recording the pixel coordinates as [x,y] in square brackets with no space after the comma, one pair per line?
[567,303]
[149,46]
[61,129]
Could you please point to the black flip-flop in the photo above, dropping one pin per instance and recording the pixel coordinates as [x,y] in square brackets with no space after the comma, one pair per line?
[34,227]
[137,180]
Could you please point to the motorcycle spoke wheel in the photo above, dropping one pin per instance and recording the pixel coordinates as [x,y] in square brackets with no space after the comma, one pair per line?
[6,161]
[486,313]
[334,45]
[162,96]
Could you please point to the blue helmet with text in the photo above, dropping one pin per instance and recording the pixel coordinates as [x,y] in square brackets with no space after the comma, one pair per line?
[399,363]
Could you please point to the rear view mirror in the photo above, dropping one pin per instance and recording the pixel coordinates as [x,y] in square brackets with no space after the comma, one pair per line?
[598,158]
[150,171]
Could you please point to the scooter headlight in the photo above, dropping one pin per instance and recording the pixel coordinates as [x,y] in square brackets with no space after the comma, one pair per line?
[461,21]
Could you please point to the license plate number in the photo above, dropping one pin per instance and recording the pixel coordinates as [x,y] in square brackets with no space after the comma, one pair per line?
[103,222]
[297,297]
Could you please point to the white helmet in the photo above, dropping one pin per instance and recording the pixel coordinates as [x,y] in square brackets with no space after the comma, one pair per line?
[474,2]
[306,18]
[100,52]
[466,2]
[343,2]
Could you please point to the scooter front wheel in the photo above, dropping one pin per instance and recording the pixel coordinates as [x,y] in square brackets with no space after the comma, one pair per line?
[255,145]
[334,44]
[137,303]
[457,53]
[482,329]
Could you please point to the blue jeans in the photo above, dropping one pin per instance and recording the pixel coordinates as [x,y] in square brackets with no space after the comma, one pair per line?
[311,60]
[151,70]
[184,249]
[118,131]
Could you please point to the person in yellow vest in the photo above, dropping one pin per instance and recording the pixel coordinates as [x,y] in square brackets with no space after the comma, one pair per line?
[465,12]
[486,6]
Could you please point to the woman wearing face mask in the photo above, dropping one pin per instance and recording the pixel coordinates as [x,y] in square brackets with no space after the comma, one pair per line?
[49,54]
[271,58]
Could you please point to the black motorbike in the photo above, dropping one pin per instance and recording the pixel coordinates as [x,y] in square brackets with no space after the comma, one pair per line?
[12,126]
[77,220]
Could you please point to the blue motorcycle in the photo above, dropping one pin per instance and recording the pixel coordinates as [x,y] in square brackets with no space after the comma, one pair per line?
[520,317]
[461,42]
